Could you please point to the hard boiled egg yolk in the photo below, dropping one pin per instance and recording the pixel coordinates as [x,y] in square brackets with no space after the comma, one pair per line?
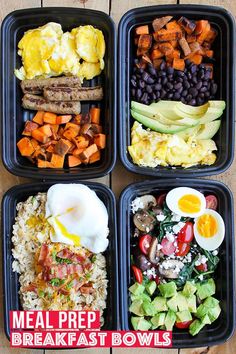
[189,203]
[207,226]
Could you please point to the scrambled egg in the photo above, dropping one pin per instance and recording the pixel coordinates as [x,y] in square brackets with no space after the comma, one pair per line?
[46,51]
[149,148]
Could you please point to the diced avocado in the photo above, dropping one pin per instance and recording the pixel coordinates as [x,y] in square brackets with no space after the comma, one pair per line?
[168,289]
[192,303]
[159,304]
[137,308]
[214,313]
[211,302]
[182,302]
[195,327]
[143,296]
[158,320]
[155,125]
[208,130]
[202,311]
[183,316]
[206,320]
[206,289]
[151,287]
[170,320]
[148,309]
[140,324]
[217,104]
[172,303]
[189,288]
[137,289]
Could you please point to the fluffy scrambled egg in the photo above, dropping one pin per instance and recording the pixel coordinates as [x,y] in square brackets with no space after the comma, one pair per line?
[46,51]
[149,148]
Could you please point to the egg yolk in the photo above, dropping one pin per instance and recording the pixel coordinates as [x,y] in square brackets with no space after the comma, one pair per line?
[189,203]
[65,233]
[207,226]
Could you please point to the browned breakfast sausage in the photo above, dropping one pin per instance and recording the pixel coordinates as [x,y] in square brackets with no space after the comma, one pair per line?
[73,93]
[36,86]
[38,103]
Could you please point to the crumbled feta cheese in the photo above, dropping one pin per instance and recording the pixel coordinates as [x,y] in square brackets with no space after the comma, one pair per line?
[166,264]
[175,244]
[170,237]
[160,217]
[200,277]
[178,227]
[151,272]
[147,229]
[136,205]
[145,273]
[201,260]
[204,259]
[215,252]
[188,257]
[176,270]
[159,247]
[175,217]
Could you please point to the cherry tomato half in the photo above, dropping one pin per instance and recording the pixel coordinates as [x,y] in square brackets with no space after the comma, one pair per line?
[202,267]
[186,233]
[138,274]
[144,243]
[183,325]
[157,280]
[168,247]
[183,249]
[211,202]
[160,199]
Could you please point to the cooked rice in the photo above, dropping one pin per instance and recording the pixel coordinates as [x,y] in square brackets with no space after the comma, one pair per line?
[30,231]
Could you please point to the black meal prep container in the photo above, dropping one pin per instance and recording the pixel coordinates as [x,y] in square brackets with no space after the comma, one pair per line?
[224,74]
[14,116]
[223,328]
[11,287]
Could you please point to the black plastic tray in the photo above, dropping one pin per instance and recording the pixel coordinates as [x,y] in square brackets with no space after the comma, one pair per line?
[10,279]
[224,70]
[14,116]
[223,327]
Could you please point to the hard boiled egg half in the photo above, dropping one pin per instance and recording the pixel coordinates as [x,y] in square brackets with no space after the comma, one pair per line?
[209,230]
[77,216]
[186,201]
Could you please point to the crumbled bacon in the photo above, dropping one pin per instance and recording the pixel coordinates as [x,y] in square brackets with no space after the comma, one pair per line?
[87,289]
[43,253]
[61,271]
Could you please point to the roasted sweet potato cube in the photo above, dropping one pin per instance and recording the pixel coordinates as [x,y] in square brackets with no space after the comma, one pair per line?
[38,118]
[167,35]
[156,54]
[62,147]
[156,63]
[95,157]
[39,136]
[70,133]
[29,127]
[142,30]
[211,35]
[46,130]
[196,59]
[77,151]
[25,147]
[89,151]
[81,142]
[50,118]
[44,164]
[202,36]
[173,25]
[145,42]
[74,161]
[184,45]
[85,128]
[191,38]
[179,64]
[209,53]
[166,48]
[188,26]
[96,129]
[57,161]
[73,126]
[159,23]
[63,119]
[100,141]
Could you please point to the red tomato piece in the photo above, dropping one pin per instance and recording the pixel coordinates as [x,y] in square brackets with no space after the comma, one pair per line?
[168,247]
[183,325]
[202,267]
[183,249]
[157,280]
[138,274]
[144,243]
[160,199]
[186,233]
[211,202]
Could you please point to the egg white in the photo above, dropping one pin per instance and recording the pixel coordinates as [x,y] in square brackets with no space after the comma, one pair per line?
[211,243]
[174,196]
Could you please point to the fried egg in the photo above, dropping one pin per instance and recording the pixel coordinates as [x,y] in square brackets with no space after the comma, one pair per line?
[186,201]
[77,216]
[209,230]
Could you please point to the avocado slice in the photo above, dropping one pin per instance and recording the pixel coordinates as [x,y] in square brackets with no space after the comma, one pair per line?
[170,320]
[189,288]
[137,308]
[142,296]
[168,289]
[159,304]
[137,288]
[151,287]
[189,132]
[184,316]
[217,104]
[156,126]
[191,110]
[207,131]
[158,320]
[202,310]
[211,302]
[182,302]
[140,324]
[210,115]
[166,108]
[195,327]
[172,303]
[206,289]
[148,308]
[192,303]
[206,320]
[214,313]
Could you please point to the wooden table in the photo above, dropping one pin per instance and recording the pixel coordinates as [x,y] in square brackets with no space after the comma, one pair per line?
[115,8]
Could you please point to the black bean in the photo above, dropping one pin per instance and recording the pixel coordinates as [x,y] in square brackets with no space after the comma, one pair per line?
[144,96]
[163,65]
[209,85]
[141,70]
[187,62]
[189,75]
[148,88]
[169,95]
[133,77]
[152,70]
[170,77]
[207,75]
[169,85]
[213,88]
[199,85]
[184,93]
[162,73]
[138,76]
[203,89]
[207,94]
[133,83]
[163,93]
[193,91]
[159,80]
[194,80]
[193,68]
[186,84]
[201,66]
[192,102]
[141,84]
[154,97]
[188,98]
[158,87]
[179,73]
[179,79]
[145,76]
[201,95]
[177,96]
[158,94]
[164,80]
[199,101]
[138,94]
[183,100]
[150,80]
[170,70]
[180,89]
[133,91]
[178,85]
[205,83]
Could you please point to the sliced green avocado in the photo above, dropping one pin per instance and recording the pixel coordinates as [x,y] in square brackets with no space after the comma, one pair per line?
[189,132]
[183,316]
[166,108]
[206,289]
[207,131]
[155,125]
[217,104]
[159,304]
[158,320]
[137,288]
[142,296]
[214,313]
[206,320]
[182,302]
[210,115]
[195,327]
[137,308]
[189,288]
[151,287]
[170,320]
[148,308]
[168,289]
[192,303]
[172,303]
[140,324]
[191,110]
[211,302]
[202,311]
